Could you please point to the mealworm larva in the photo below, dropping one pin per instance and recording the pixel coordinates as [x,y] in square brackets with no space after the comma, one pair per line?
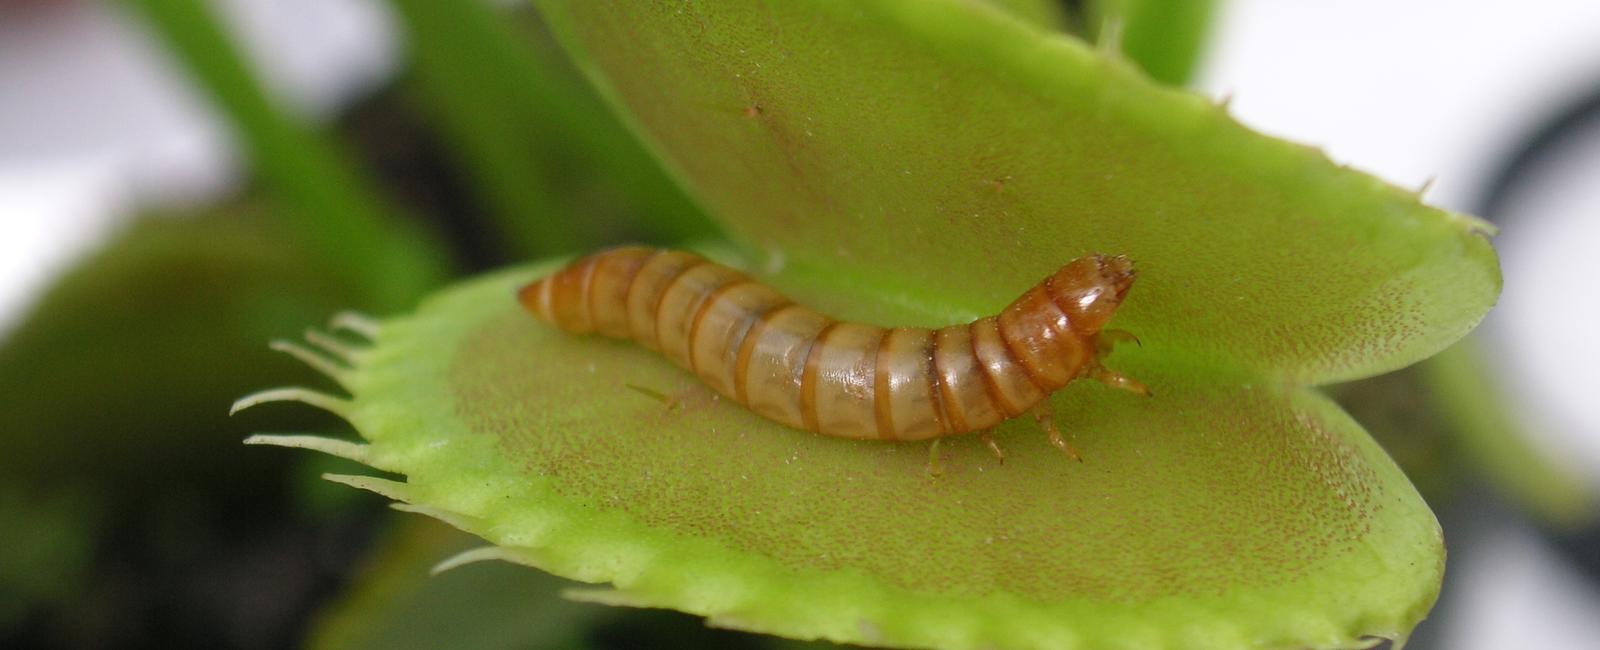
[803,369]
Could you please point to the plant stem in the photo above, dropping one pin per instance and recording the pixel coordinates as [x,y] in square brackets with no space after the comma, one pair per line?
[332,210]
[1165,37]
[497,140]
[518,114]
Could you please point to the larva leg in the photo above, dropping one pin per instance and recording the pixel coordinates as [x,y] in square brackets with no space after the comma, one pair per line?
[935,462]
[1045,415]
[671,403]
[1103,342]
[1116,379]
[987,439]
[1106,339]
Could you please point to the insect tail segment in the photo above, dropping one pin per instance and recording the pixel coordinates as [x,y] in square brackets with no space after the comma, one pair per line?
[535,297]
[588,295]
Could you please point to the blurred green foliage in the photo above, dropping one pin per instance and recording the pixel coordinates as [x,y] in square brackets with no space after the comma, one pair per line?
[115,386]
[397,604]
[1488,433]
[120,375]
[50,535]
[118,447]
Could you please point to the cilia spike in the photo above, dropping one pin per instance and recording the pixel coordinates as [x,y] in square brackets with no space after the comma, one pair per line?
[356,323]
[332,345]
[324,401]
[317,362]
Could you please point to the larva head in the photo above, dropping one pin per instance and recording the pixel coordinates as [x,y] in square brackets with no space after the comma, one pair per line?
[1089,289]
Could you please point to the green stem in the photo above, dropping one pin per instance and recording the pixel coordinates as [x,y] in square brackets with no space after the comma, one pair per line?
[496,143]
[333,210]
[1165,37]
[1464,384]
[472,60]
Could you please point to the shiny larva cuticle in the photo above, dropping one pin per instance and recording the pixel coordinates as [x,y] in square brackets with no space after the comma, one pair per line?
[803,369]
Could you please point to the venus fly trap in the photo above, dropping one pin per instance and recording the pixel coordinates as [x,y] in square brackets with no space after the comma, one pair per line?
[915,164]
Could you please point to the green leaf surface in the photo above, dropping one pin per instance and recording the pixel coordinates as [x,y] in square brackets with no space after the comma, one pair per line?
[1214,516]
[945,154]
[1396,410]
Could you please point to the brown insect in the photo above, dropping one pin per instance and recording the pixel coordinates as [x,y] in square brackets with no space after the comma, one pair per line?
[803,369]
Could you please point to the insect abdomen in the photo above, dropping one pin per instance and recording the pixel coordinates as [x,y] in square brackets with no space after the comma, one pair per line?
[803,369]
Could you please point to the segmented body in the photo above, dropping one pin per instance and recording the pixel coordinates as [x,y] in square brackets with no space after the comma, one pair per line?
[806,370]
